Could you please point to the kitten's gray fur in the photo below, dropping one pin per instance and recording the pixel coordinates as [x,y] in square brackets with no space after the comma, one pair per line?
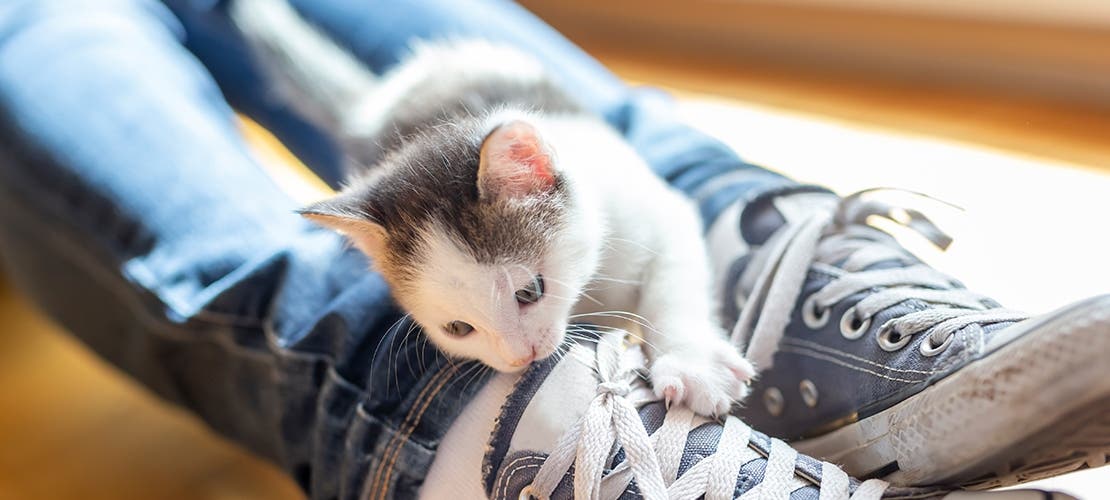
[402,194]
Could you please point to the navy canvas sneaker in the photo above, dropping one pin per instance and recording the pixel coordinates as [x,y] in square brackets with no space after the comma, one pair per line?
[873,360]
[586,425]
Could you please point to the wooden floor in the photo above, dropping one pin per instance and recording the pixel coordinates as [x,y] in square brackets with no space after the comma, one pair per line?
[1034,235]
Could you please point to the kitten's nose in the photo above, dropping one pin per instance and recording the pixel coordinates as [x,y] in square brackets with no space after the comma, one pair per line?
[517,363]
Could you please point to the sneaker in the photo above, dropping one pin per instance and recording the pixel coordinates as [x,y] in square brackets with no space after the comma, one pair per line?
[586,424]
[871,359]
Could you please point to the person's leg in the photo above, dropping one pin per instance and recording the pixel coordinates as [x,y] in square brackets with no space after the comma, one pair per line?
[132,211]
[246,84]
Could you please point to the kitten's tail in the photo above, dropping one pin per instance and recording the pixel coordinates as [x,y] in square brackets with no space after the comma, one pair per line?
[320,78]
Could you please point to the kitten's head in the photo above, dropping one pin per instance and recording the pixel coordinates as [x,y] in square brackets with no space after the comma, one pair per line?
[480,234]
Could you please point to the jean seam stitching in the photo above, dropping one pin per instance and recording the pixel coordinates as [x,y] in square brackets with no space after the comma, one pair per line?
[404,434]
[408,425]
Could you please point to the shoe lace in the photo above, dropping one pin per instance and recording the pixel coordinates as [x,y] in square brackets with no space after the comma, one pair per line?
[611,422]
[842,243]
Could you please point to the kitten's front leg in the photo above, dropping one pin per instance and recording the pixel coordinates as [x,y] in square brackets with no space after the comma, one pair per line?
[693,364]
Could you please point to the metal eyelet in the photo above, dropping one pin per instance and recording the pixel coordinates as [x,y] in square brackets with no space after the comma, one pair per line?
[813,316]
[890,339]
[808,391]
[851,326]
[528,493]
[927,348]
[773,400]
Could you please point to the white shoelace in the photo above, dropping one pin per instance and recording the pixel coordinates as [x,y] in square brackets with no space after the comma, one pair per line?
[844,237]
[653,461]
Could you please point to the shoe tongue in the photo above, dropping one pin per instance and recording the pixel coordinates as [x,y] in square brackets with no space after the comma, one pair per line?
[770,210]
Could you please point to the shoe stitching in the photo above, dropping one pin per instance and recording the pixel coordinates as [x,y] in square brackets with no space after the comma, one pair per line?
[818,355]
[511,471]
[832,350]
[408,425]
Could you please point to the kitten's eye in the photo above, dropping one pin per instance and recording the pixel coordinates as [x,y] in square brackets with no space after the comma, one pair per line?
[531,293]
[458,328]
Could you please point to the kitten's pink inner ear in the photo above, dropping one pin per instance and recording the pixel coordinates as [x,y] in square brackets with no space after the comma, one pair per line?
[367,236]
[515,162]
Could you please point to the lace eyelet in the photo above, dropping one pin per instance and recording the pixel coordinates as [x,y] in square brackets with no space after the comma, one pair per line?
[527,493]
[813,316]
[890,339]
[851,326]
[808,390]
[927,348]
[773,401]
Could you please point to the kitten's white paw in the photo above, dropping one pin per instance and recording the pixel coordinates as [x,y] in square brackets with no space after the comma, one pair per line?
[706,378]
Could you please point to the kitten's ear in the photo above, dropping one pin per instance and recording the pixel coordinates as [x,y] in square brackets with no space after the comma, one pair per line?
[515,162]
[341,214]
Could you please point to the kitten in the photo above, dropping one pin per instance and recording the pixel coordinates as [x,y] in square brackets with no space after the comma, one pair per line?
[498,210]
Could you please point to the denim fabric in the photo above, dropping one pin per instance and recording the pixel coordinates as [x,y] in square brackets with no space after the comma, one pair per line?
[134,214]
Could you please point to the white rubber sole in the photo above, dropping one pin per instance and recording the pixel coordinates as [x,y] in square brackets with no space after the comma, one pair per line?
[1037,407]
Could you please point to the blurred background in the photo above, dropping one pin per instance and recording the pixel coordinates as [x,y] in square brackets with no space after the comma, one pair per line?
[1001,107]
[1029,75]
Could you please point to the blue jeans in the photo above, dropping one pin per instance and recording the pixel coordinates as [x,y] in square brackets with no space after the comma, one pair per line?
[132,211]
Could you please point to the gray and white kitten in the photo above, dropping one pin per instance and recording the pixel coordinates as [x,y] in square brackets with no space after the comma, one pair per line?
[498,210]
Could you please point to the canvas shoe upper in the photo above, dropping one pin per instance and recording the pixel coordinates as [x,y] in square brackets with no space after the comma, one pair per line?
[585,424]
[872,359]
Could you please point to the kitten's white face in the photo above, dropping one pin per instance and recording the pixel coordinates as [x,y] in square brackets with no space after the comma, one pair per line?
[501,294]
[503,315]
